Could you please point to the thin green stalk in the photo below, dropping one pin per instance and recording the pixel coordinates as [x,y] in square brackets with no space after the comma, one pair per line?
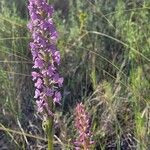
[50,132]
[50,118]
[49,126]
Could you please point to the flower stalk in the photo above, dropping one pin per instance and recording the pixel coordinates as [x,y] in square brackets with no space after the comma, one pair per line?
[46,58]
[50,132]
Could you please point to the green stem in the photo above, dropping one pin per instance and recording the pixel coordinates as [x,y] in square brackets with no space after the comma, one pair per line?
[50,119]
[50,126]
[50,132]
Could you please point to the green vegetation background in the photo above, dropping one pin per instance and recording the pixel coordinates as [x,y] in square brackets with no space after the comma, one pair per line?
[105,50]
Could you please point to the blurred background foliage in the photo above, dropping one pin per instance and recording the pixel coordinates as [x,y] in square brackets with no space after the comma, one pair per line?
[105,50]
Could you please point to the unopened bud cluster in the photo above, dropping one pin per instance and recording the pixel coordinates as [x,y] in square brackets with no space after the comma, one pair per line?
[82,124]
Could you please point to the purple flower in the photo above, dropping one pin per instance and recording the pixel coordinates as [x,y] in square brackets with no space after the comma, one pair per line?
[51,70]
[40,105]
[51,48]
[35,75]
[56,57]
[49,92]
[58,80]
[30,26]
[39,83]
[54,36]
[45,55]
[38,63]
[37,93]
[57,97]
